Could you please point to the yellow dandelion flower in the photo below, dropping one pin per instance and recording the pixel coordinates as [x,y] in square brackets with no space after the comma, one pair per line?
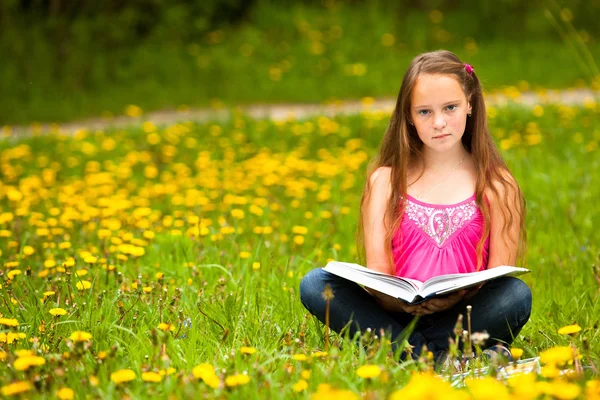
[256,265]
[151,377]
[58,311]
[90,259]
[300,386]
[319,354]
[206,372]
[247,350]
[305,374]
[212,381]
[299,230]
[524,386]
[49,293]
[569,329]
[80,336]
[122,375]
[368,371]
[10,337]
[202,370]
[300,357]
[16,388]
[24,363]
[69,262]
[166,327]
[9,322]
[28,250]
[65,393]
[237,213]
[592,389]
[516,353]
[487,388]
[12,273]
[326,392]
[237,380]
[83,285]
[422,386]
[23,353]
[244,254]
[550,371]
[147,289]
[168,371]
[133,111]
[558,355]
[560,389]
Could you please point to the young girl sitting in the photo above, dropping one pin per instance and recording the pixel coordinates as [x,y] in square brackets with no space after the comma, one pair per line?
[439,199]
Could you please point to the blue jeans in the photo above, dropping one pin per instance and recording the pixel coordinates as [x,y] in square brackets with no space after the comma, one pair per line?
[501,307]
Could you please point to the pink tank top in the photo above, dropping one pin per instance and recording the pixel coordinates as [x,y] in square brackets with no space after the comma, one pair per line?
[438,239]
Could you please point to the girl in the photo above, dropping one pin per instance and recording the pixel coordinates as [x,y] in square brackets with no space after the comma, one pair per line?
[438,200]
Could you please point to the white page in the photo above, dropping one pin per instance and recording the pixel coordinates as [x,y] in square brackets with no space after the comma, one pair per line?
[380,275]
[448,283]
[395,288]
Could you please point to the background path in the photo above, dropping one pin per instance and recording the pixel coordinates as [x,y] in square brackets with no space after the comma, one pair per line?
[298,111]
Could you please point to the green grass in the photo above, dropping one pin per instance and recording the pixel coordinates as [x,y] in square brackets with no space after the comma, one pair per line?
[299,54]
[281,175]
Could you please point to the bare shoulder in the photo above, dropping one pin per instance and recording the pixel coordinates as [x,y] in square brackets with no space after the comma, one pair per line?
[379,183]
[381,176]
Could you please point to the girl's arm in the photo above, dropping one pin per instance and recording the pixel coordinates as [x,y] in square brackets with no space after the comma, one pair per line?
[374,209]
[504,242]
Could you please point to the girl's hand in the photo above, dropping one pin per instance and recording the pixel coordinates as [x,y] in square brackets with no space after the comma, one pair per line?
[440,304]
[392,304]
[473,291]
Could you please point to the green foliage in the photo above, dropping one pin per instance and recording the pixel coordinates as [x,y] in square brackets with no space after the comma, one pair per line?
[65,60]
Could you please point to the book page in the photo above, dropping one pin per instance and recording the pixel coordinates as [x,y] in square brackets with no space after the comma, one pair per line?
[416,284]
[444,284]
[392,286]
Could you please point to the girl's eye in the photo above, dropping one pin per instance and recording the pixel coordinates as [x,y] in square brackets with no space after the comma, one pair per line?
[422,112]
[451,108]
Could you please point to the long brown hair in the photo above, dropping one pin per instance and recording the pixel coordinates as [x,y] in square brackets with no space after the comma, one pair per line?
[401,145]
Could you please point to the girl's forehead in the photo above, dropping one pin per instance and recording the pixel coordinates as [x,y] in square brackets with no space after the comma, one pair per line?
[430,89]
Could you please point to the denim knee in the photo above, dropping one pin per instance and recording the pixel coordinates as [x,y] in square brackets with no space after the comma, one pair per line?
[520,299]
[311,289]
[515,306]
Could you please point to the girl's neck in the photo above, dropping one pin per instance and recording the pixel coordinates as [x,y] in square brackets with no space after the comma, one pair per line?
[441,161]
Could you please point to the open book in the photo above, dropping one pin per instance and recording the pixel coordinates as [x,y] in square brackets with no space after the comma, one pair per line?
[414,291]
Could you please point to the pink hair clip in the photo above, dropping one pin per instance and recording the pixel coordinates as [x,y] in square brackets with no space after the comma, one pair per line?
[469,69]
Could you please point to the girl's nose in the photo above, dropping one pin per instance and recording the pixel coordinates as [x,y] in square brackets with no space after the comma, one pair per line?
[439,121]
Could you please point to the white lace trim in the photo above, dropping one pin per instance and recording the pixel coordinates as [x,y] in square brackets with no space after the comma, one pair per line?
[439,223]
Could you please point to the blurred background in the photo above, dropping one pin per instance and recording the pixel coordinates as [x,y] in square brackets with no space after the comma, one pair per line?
[66,59]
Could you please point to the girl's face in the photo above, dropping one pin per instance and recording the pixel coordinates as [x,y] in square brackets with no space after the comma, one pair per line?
[439,110]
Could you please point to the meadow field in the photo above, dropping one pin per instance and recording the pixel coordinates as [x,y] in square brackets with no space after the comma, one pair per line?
[166,261]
